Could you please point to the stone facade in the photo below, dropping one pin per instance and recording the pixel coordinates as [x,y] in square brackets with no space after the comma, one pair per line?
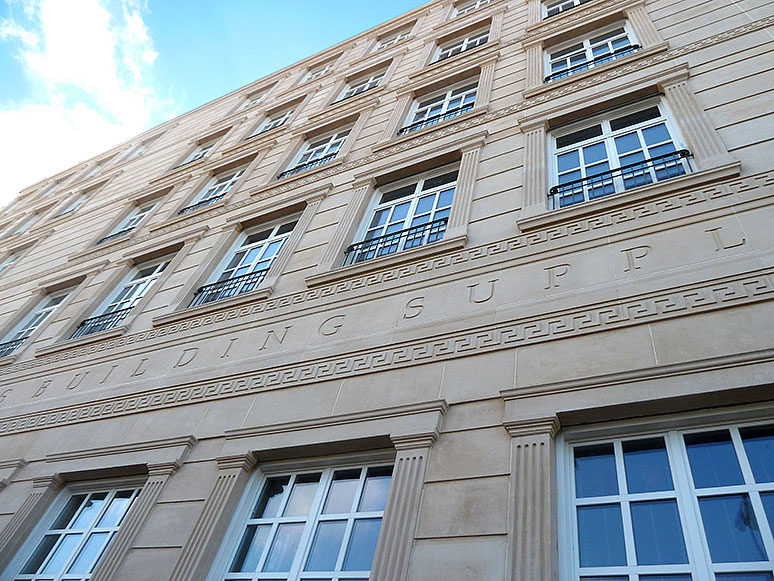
[504,364]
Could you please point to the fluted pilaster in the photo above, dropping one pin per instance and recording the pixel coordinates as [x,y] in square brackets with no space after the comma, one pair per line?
[645,31]
[334,252]
[463,196]
[535,71]
[535,169]
[484,91]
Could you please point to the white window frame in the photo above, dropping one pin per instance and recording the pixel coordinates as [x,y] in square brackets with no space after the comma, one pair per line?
[560,6]
[457,46]
[436,212]
[361,85]
[320,147]
[141,147]
[462,8]
[613,159]
[133,219]
[216,189]
[392,39]
[37,316]
[26,224]
[315,516]
[200,151]
[441,102]
[252,100]
[278,119]
[317,73]
[586,47]
[74,204]
[700,564]
[8,261]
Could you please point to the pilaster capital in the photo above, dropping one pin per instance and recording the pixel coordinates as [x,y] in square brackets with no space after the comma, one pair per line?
[163,468]
[414,441]
[244,462]
[50,481]
[547,426]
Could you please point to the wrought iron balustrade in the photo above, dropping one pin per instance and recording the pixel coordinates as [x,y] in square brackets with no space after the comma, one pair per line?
[228,288]
[566,9]
[307,165]
[202,204]
[100,323]
[451,113]
[443,57]
[395,242]
[115,235]
[633,175]
[9,347]
[600,60]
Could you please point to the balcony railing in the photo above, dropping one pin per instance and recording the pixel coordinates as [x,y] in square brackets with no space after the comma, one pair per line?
[600,60]
[100,323]
[563,10]
[201,204]
[9,347]
[115,235]
[435,119]
[307,165]
[633,175]
[395,242]
[228,288]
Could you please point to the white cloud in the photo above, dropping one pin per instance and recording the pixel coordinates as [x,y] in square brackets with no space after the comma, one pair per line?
[89,65]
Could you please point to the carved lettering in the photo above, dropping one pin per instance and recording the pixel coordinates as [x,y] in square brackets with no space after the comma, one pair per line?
[418,304]
[480,299]
[228,347]
[721,244]
[633,255]
[104,379]
[187,356]
[272,334]
[75,381]
[140,370]
[5,394]
[554,272]
[331,325]
[42,388]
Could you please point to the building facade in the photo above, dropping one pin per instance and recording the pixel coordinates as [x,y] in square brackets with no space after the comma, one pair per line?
[483,293]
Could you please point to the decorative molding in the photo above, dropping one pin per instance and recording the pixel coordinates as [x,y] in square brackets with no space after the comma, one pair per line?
[532,427]
[11,467]
[186,441]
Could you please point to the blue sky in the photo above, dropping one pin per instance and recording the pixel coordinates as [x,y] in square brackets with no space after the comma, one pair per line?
[78,76]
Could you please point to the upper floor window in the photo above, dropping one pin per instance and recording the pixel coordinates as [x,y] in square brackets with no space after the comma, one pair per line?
[440,106]
[682,505]
[8,261]
[405,216]
[201,150]
[392,39]
[554,7]
[361,85]
[273,121]
[321,524]
[135,287]
[316,73]
[128,224]
[629,148]
[215,190]
[584,54]
[247,264]
[469,6]
[252,100]
[457,46]
[31,322]
[317,152]
[72,544]
[76,202]
[26,224]
[141,147]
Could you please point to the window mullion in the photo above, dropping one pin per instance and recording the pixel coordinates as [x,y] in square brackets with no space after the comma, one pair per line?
[312,520]
[624,503]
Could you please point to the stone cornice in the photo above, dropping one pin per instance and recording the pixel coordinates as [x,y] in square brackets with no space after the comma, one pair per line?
[533,427]
[580,14]
[184,441]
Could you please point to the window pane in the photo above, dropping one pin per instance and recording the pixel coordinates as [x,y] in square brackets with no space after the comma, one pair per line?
[595,471]
[658,538]
[626,143]
[647,466]
[635,118]
[271,498]
[594,153]
[342,492]
[744,577]
[69,511]
[115,512]
[600,536]
[768,506]
[377,485]
[731,529]
[89,553]
[713,460]
[89,510]
[665,578]
[578,136]
[656,134]
[251,549]
[62,553]
[568,161]
[362,544]
[41,552]
[284,548]
[326,546]
[605,578]
[302,495]
[759,445]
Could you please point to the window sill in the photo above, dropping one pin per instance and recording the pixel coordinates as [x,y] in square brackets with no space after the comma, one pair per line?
[258,141]
[8,359]
[229,303]
[439,68]
[398,139]
[556,217]
[81,341]
[387,261]
[103,248]
[629,59]
[179,219]
[336,162]
[344,106]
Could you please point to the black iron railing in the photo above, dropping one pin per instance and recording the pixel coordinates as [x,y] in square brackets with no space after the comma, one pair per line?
[100,323]
[307,165]
[566,9]
[395,242]
[228,288]
[201,204]
[10,346]
[443,57]
[629,176]
[435,119]
[115,235]
[600,60]
[355,94]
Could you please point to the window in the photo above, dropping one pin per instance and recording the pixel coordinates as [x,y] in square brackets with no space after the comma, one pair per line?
[590,52]
[455,47]
[361,85]
[199,152]
[252,100]
[8,261]
[247,264]
[128,224]
[466,7]
[554,8]
[673,506]
[74,204]
[141,148]
[74,542]
[215,190]
[140,280]
[392,39]
[441,106]
[31,322]
[405,216]
[273,121]
[26,224]
[317,152]
[316,73]
[629,148]
[92,172]
[320,524]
